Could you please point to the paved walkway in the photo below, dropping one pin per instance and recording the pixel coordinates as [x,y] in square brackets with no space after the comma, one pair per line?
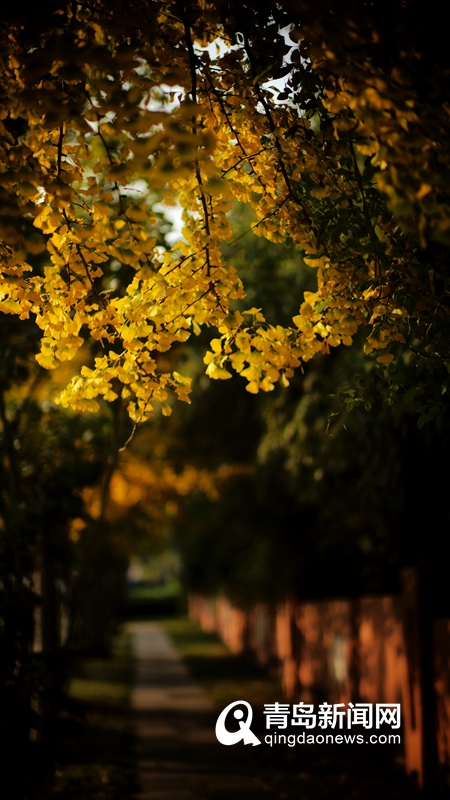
[179,757]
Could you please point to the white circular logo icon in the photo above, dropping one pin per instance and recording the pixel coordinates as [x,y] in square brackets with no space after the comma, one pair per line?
[225,737]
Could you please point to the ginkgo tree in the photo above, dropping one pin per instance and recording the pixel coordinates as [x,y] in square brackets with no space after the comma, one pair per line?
[103,105]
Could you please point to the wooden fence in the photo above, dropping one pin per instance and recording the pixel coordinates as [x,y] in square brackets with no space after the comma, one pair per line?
[365,649]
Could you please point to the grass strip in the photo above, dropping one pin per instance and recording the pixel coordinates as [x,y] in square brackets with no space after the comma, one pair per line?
[225,676]
[93,758]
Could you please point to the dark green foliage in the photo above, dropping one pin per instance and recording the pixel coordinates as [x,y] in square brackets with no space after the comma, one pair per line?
[337,489]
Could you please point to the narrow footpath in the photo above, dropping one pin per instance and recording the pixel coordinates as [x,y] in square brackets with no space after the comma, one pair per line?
[178,755]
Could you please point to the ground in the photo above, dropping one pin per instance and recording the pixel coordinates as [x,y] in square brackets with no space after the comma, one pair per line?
[143,728]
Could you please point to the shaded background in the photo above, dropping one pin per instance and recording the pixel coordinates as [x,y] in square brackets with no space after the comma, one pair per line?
[261,511]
